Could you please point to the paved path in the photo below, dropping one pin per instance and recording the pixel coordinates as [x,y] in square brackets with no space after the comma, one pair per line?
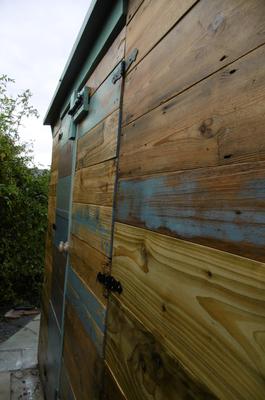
[19,378]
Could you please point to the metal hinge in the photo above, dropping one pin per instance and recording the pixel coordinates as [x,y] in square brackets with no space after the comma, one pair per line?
[109,283]
[125,65]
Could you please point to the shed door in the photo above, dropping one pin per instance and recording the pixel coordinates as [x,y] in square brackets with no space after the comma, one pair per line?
[50,342]
[91,231]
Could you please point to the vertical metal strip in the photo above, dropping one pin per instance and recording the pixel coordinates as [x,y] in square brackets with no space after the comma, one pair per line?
[114,208]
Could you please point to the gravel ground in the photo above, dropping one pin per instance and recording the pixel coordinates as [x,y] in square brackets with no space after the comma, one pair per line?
[9,327]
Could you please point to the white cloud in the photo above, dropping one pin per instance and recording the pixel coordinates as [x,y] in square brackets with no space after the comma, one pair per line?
[36,39]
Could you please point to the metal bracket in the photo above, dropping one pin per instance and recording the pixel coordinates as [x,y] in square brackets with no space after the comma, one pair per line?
[125,65]
[109,282]
[79,104]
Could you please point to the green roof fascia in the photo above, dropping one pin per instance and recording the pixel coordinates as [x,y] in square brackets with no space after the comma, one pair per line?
[104,20]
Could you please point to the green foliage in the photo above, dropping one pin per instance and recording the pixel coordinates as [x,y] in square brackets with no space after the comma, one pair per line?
[23,204]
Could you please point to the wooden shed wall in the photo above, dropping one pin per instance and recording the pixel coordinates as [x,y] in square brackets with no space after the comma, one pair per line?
[167,195]
[189,220]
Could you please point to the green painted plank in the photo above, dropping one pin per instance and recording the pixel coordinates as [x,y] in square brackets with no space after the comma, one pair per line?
[103,102]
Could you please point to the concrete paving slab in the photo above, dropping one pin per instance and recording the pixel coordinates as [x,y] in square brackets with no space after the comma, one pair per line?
[10,359]
[20,350]
[5,380]
[27,337]
[26,385]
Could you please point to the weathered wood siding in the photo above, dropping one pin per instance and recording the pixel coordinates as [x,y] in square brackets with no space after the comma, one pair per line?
[167,194]
[46,291]
[189,218]
[91,230]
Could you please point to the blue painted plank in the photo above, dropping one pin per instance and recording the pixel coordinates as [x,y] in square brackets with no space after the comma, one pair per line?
[89,310]
[221,207]
[103,102]
[92,224]
[57,286]
[61,222]
[63,193]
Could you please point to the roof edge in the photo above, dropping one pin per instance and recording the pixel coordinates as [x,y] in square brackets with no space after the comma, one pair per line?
[93,25]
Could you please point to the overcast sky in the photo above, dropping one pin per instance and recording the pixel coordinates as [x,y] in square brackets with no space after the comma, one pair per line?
[36,39]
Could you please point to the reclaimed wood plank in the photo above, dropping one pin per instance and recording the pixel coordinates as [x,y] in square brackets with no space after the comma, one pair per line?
[133,6]
[65,160]
[51,209]
[63,192]
[53,355]
[200,44]
[57,283]
[89,309]
[144,368]
[65,391]
[151,22]
[62,224]
[222,207]
[53,182]
[83,364]
[55,153]
[103,102]
[100,143]
[93,224]
[95,184]
[205,307]
[112,389]
[228,111]
[86,261]
[113,56]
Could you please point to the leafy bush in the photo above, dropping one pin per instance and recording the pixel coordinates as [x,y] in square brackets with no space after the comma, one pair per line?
[23,204]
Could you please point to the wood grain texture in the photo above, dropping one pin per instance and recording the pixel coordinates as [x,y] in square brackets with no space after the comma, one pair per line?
[81,359]
[65,160]
[99,144]
[53,355]
[65,391]
[89,309]
[103,102]
[55,153]
[86,261]
[133,6]
[113,56]
[142,366]
[93,225]
[62,222]
[111,387]
[51,209]
[95,184]
[204,306]
[226,124]
[63,192]
[204,41]
[57,283]
[221,207]
[53,182]
[151,22]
